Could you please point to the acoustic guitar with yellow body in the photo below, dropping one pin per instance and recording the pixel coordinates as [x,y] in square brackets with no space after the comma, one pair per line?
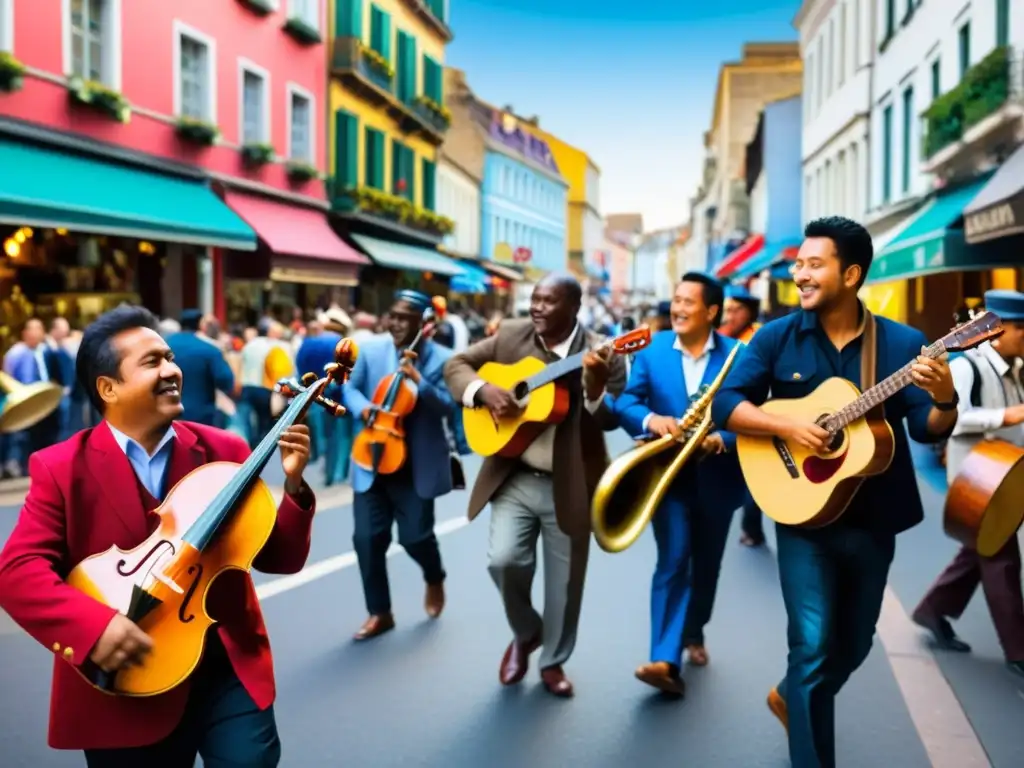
[795,486]
[543,399]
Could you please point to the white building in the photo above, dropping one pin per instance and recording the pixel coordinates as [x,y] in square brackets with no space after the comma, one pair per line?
[592,222]
[837,47]
[458,198]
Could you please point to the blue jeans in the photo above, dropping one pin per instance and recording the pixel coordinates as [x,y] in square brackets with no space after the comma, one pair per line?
[833,580]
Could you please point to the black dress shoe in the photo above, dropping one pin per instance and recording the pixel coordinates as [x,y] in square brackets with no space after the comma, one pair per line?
[1017,667]
[943,633]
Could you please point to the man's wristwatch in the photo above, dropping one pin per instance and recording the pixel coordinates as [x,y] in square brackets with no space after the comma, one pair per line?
[951,405]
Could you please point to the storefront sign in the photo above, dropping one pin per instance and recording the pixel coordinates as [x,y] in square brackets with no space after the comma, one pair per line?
[505,129]
[997,221]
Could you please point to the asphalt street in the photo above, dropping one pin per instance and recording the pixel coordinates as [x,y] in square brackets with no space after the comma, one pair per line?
[427,694]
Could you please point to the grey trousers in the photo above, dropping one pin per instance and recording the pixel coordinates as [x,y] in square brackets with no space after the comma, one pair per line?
[521,511]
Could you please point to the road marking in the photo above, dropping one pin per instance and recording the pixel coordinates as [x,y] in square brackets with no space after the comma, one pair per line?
[334,564]
[945,731]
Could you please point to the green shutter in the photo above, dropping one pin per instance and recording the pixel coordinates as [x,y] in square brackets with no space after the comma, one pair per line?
[411,61]
[376,38]
[346,150]
[1002,23]
[429,185]
[348,18]
[374,167]
[402,167]
[385,35]
[400,68]
[908,125]
[432,79]
[887,154]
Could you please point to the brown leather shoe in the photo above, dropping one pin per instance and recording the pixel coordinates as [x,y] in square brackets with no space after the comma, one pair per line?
[374,626]
[697,655]
[556,682]
[516,661]
[663,676]
[777,705]
[433,602]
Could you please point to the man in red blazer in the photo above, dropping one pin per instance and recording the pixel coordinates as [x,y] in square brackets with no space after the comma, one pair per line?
[99,488]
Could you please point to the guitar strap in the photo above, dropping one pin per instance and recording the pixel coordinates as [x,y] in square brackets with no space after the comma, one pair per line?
[868,363]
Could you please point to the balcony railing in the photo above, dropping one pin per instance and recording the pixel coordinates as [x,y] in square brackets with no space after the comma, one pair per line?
[351,55]
[389,208]
[984,89]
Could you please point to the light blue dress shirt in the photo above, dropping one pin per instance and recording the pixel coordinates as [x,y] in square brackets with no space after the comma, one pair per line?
[150,469]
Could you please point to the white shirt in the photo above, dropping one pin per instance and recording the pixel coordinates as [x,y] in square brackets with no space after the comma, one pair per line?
[539,453]
[693,369]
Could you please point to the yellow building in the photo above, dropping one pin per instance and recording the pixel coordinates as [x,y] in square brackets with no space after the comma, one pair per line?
[387,119]
[584,226]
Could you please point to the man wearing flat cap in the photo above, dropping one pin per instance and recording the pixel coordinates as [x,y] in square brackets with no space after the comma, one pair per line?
[405,497]
[988,381]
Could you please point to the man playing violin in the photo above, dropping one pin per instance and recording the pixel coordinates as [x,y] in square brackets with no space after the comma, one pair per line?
[547,491]
[98,489]
[405,497]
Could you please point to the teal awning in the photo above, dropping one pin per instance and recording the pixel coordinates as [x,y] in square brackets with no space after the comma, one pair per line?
[473,280]
[46,187]
[407,257]
[929,242]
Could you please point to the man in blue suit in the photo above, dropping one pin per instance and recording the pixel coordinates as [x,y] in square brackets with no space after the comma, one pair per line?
[204,368]
[407,496]
[833,578]
[692,523]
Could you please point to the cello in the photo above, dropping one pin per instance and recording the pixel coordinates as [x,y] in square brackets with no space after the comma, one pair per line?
[217,518]
[380,446]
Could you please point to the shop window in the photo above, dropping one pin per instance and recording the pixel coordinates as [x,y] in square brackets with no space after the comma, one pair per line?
[255,104]
[429,185]
[92,39]
[373,173]
[195,64]
[380,32]
[6,25]
[306,11]
[300,121]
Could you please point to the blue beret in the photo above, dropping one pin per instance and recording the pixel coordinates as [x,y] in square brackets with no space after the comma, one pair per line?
[416,299]
[1009,305]
[739,293]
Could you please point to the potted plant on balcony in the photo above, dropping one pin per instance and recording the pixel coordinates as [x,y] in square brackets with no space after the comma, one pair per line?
[302,31]
[377,62]
[197,131]
[255,155]
[99,97]
[301,172]
[260,7]
[439,111]
[12,73]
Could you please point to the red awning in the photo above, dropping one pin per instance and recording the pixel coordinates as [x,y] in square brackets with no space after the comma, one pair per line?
[738,257]
[292,230]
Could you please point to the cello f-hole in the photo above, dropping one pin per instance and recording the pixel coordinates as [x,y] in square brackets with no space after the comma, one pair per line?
[163,544]
[198,570]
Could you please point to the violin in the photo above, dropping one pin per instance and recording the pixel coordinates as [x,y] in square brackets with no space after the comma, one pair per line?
[217,518]
[380,446]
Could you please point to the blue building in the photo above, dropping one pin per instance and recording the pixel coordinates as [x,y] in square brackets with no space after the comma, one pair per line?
[523,198]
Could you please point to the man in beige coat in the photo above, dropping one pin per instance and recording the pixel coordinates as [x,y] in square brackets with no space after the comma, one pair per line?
[547,490]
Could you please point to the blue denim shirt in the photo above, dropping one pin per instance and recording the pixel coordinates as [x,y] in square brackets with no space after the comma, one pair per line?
[792,356]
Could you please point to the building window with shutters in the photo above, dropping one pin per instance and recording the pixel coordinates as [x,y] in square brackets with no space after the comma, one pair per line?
[255,104]
[380,32]
[346,150]
[373,171]
[429,181]
[936,78]
[1002,23]
[7,25]
[908,131]
[406,67]
[403,171]
[887,154]
[964,38]
[92,39]
[195,85]
[433,80]
[301,122]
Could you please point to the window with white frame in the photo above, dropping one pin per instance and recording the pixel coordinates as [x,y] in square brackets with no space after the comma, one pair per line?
[6,25]
[300,145]
[92,32]
[307,11]
[255,92]
[196,73]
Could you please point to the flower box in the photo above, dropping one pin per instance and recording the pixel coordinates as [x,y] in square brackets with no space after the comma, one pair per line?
[302,172]
[440,116]
[99,97]
[197,131]
[394,208]
[302,31]
[255,155]
[12,73]
[259,7]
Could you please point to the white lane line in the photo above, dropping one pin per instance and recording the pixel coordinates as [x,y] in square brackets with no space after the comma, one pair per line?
[940,720]
[334,564]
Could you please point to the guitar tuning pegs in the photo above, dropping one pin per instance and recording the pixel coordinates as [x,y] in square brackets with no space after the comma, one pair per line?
[333,408]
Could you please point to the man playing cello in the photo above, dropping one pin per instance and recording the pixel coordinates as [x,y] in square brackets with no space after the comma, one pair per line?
[405,497]
[547,491]
[97,489]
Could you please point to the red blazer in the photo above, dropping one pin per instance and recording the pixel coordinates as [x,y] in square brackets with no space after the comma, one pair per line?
[82,498]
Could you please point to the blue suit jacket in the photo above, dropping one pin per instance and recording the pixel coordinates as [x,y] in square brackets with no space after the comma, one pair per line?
[203,371]
[424,427]
[656,385]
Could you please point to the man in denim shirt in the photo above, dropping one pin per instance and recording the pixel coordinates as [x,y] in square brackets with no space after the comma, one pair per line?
[833,578]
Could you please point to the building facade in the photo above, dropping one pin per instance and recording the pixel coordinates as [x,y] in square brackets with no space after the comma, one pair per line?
[223,96]
[837,46]
[458,198]
[947,109]
[387,119]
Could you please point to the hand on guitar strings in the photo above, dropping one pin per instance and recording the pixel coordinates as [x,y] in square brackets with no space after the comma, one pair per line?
[294,445]
[934,377]
[121,645]
[806,434]
[500,402]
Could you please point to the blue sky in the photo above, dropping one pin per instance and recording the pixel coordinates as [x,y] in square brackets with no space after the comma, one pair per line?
[630,82]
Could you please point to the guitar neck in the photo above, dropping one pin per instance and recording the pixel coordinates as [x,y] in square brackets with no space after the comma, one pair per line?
[879,393]
[555,370]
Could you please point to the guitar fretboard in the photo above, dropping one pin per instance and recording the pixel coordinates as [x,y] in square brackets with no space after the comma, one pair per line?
[555,370]
[879,393]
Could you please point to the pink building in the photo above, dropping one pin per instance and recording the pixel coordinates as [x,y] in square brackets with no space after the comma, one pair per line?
[198,125]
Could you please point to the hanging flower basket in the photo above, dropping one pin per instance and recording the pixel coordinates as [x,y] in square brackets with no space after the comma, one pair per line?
[12,73]
[302,172]
[99,97]
[197,132]
[255,155]
[259,7]
[302,31]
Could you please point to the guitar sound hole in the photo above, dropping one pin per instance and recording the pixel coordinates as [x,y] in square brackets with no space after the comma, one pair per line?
[837,439]
[520,391]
